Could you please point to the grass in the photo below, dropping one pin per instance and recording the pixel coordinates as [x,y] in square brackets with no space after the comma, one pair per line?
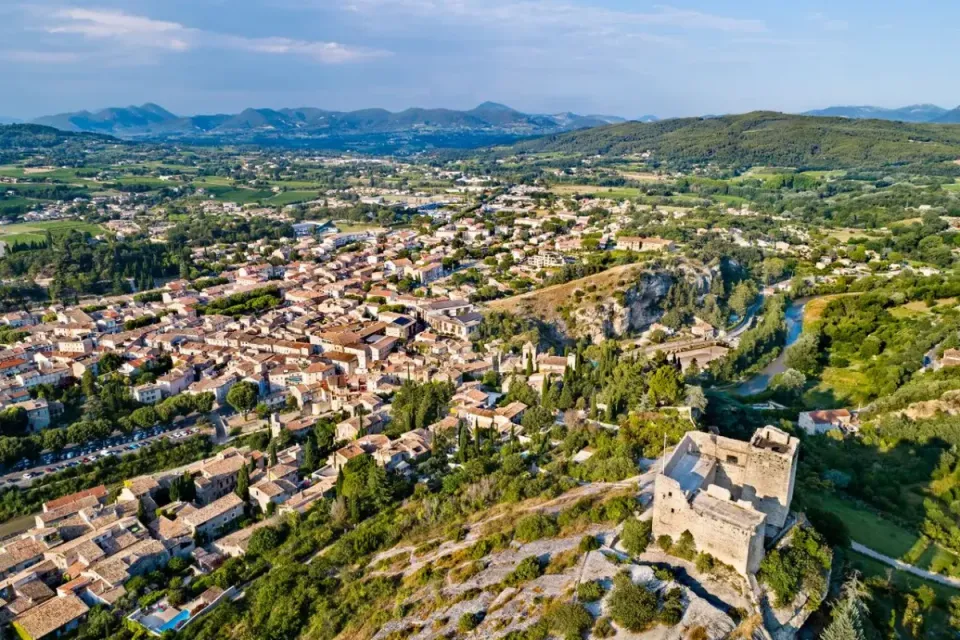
[36,231]
[594,190]
[868,567]
[240,196]
[346,226]
[871,530]
[837,388]
[291,197]
[814,309]
[545,303]
[920,308]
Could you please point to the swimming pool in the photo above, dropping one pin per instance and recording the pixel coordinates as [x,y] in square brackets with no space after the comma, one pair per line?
[183,616]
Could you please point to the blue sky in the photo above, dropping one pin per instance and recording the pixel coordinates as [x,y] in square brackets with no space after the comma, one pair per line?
[622,57]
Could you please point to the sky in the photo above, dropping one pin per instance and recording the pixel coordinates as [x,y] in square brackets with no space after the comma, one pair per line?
[618,57]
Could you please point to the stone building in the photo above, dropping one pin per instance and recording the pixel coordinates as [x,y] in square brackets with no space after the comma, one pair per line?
[731,495]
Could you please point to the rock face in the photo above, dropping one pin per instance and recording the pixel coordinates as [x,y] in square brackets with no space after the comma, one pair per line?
[629,310]
[506,609]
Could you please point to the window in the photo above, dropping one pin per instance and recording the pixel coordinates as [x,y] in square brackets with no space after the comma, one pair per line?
[733,460]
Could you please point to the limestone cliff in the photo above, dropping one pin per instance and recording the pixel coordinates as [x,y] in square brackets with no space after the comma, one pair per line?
[625,310]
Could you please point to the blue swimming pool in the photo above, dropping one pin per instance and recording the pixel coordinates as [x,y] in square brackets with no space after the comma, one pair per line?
[183,616]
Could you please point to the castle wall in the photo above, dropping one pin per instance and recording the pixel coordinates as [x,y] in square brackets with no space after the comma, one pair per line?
[772,476]
[739,547]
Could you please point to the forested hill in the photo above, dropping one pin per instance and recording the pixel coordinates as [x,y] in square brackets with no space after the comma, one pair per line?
[55,146]
[35,136]
[762,138]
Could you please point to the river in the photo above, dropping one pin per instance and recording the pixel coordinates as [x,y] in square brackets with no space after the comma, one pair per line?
[759,382]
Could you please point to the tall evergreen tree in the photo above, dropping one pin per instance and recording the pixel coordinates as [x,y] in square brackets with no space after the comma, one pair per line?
[243,484]
[850,614]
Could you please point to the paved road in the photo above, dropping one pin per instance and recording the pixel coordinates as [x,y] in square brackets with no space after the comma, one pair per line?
[903,566]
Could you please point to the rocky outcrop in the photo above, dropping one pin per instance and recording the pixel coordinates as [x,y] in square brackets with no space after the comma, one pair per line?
[506,609]
[626,310]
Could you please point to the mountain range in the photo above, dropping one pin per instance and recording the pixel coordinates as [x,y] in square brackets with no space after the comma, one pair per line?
[910,113]
[153,121]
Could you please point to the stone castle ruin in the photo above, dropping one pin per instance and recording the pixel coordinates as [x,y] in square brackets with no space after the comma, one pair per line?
[731,495]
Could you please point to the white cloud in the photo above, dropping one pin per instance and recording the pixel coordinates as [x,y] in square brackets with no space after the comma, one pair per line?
[829,24]
[510,14]
[40,57]
[129,30]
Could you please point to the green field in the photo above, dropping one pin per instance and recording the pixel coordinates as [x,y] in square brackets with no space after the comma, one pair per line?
[869,568]
[291,197]
[870,529]
[837,388]
[36,231]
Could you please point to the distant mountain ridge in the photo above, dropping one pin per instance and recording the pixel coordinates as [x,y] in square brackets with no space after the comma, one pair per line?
[152,121]
[910,113]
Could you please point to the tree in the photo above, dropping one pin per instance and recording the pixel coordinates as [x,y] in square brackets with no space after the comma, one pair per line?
[203,402]
[636,535]
[272,452]
[666,386]
[789,384]
[804,354]
[88,383]
[696,398]
[742,297]
[310,455]
[243,484]
[265,539]
[243,397]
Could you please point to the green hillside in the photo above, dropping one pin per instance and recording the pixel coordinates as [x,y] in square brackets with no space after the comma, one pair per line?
[762,138]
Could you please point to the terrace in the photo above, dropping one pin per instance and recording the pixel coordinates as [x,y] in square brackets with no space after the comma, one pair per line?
[162,616]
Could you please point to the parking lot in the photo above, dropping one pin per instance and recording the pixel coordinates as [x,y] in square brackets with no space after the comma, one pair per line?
[26,471]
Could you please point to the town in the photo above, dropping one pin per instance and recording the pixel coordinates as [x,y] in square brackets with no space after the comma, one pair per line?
[218,367]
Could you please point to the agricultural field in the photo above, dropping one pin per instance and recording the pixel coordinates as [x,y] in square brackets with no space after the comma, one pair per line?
[26,232]
[291,197]
[615,193]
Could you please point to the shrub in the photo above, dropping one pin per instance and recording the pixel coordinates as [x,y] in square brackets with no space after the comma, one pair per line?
[671,611]
[590,591]
[560,562]
[569,620]
[705,562]
[685,547]
[535,527]
[603,629]
[665,542]
[466,571]
[589,543]
[632,606]
[618,509]
[800,565]
[528,569]
[636,535]
[663,574]
[698,633]
[469,621]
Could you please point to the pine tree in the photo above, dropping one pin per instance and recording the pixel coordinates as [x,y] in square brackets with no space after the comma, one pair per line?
[272,452]
[850,614]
